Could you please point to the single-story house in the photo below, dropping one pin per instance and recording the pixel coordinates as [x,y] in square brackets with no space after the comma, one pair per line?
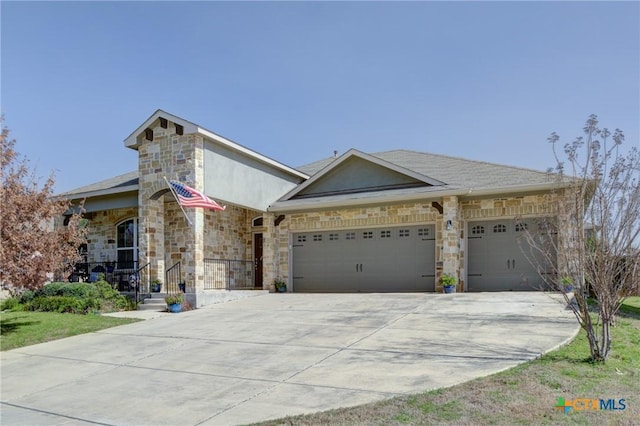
[360,222]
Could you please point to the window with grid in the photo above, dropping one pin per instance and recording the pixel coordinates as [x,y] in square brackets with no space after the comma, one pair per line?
[127,243]
[499,228]
[477,230]
[423,232]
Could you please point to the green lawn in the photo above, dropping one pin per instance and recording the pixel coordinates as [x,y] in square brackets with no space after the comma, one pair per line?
[523,395]
[19,329]
[631,304]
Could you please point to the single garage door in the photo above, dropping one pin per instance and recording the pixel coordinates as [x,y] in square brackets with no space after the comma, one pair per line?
[498,257]
[395,259]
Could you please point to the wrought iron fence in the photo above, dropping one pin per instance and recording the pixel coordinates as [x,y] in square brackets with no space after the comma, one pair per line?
[173,279]
[141,283]
[117,274]
[223,274]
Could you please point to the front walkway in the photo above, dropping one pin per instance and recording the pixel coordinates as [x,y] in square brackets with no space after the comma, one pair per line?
[275,355]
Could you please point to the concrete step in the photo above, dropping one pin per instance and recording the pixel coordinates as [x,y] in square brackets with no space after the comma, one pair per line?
[146,307]
[157,296]
[154,303]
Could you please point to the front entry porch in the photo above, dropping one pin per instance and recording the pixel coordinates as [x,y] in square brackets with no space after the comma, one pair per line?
[221,277]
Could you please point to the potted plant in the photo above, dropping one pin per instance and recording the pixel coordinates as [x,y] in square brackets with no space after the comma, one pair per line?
[448,283]
[280,285]
[566,284]
[174,302]
[156,285]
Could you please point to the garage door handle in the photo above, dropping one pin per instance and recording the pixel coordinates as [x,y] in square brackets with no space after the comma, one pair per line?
[358,267]
[508,263]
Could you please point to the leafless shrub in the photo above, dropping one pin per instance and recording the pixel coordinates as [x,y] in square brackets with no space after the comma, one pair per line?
[595,220]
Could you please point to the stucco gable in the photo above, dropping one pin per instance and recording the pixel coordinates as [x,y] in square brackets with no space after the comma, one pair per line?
[356,172]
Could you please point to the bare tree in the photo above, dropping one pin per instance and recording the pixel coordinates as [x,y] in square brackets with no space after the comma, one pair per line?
[31,247]
[592,233]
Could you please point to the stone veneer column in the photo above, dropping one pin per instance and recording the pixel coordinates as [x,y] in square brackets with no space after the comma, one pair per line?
[269,250]
[449,243]
[194,269]
[568,237]
[150,213]
[178,157]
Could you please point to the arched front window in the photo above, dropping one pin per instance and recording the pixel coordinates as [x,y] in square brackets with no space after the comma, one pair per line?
[127,238]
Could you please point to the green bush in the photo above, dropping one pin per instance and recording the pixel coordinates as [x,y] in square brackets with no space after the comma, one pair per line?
[51,289]
[10,304]
[77,290]
[105,290]
[125,303]
[27,296]
[119,303]
[77,298]
[63,304]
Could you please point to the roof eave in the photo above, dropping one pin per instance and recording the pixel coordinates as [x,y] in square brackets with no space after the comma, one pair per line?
[386,198]
[98,193]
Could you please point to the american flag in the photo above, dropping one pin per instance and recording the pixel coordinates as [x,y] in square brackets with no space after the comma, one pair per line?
[189,197]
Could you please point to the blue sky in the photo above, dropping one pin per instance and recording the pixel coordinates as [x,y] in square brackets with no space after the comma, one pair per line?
[296,81]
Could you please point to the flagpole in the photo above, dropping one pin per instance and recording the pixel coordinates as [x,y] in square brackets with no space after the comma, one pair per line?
[178,201]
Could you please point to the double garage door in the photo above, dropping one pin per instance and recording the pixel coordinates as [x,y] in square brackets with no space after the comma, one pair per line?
[500,259]
[394,259]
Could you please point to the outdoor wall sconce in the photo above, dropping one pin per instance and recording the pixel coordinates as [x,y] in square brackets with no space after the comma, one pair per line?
[449,225]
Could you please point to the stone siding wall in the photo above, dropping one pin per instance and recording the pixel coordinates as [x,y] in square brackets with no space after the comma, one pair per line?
[176,157]
[528,205]
[449,238]
[176,232]
[397,214]
[102,235]
[228,233]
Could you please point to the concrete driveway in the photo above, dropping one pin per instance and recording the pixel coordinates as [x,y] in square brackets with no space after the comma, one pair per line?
[275,355]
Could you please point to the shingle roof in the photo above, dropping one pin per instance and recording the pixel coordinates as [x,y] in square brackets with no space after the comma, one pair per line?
[456,173]
[453,171]
[113,184]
